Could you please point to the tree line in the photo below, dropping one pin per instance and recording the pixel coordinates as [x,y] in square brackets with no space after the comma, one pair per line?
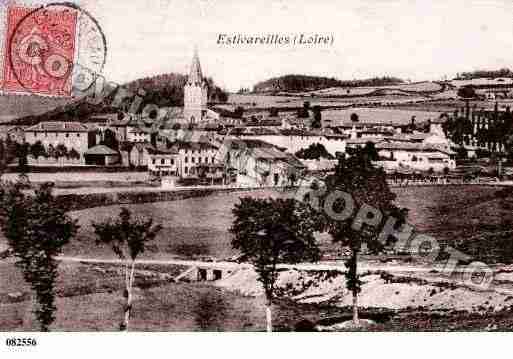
[504,72]
[297,83]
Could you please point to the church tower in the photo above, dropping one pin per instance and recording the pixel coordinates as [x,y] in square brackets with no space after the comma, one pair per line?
[195,93]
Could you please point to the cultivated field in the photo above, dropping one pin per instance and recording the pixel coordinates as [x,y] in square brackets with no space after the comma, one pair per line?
[253,102]
[378,115]
[367,90]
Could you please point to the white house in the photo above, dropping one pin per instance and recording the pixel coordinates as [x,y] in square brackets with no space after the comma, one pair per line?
[295,140]
[192,154]
[418,156]
[73,135]
[162,162]
[258,163]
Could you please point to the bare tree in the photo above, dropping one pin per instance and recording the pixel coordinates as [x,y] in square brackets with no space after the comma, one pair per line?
[127,237]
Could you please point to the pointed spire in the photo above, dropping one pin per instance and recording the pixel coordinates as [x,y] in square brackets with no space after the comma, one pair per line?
[195,75]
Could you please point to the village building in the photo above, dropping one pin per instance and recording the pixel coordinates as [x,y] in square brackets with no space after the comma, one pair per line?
[192,154]
[101,155]
[211,173]
[162,161]
[195,93]
[139,154]
[73,135]
[258,163]
[138,134]
[417,156]
[294,140]
[14,133]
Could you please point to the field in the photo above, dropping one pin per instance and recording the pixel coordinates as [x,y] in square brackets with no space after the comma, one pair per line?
[337,96]
[259,102]
[90,295]
[367,90]
[378,115]
[198,227]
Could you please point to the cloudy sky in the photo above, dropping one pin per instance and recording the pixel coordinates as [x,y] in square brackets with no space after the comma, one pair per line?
[414,40]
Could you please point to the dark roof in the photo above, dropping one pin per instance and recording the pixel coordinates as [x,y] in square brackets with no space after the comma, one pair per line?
[59,127]
[249,143]
[162,151]
[411,146]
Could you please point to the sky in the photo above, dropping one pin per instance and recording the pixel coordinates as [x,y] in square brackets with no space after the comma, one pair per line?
[416,40]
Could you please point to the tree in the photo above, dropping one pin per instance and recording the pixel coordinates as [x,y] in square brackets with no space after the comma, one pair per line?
[317,117]
[22,150]
[467,92]
[315,151]
[238,112]
[3,157]
[127,237]
[461,153]
[110,140]
[354,117]
[61,150]
[366,185]
[73,154]
[303,111]
[52,152]
[272,231]
[36,227]
[7,153]
[37,150]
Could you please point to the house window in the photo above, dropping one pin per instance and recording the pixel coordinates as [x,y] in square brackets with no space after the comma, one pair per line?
[78,134]
[153,161]
[186,159]
[172,161]
[186,170]
[162,161]
[193,160]
[67,134]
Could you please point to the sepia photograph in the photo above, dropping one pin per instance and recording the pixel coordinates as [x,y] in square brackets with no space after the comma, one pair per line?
[255,166]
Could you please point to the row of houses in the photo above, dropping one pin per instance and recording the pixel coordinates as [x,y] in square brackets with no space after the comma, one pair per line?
[262,157]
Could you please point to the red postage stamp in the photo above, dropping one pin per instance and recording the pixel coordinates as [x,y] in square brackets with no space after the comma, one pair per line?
[40,49]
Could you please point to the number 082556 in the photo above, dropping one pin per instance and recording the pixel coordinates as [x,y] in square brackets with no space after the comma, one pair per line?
[20,342]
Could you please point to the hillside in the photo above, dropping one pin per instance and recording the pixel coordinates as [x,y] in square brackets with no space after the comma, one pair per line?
[161,90]
[15,106]
[300,83]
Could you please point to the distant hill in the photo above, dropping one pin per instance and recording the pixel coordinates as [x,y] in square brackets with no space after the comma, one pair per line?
[15,106]
[161,90]
[490,74]
[300,83]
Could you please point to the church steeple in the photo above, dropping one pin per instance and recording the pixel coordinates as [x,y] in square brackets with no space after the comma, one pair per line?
[195,92]
[195,74]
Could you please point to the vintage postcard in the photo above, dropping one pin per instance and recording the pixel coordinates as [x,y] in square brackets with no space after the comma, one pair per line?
[245,166]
